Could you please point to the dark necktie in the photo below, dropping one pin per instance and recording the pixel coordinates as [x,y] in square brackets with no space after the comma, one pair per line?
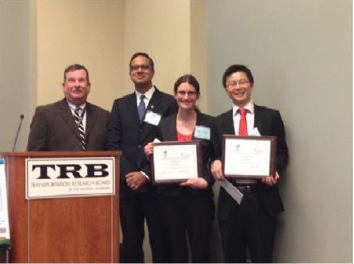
[80,126]
[242,129]
[141,108]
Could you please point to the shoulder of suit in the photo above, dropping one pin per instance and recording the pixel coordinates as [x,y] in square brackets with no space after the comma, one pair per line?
[168,119]
[265,109]
[125,97]
[97,108]
[163,94]
[202,116]
[224,115]
[50,106]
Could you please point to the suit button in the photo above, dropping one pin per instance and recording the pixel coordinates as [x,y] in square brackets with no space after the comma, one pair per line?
[139,146]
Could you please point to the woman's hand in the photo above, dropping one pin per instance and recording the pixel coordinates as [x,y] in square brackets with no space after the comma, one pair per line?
[198,183]
[216,170]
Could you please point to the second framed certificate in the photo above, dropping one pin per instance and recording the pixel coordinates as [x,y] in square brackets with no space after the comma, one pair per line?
[248,157]
[175,161]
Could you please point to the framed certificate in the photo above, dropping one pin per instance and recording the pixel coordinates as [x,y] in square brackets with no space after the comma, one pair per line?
[248,157]
[174,161]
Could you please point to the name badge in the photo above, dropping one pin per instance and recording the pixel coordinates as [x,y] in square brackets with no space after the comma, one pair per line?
[254,132]
[202,132]
[152,118]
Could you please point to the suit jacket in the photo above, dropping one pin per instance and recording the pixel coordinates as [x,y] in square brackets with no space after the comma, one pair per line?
[53,128]
[269,123]
[168,132]
[126,133]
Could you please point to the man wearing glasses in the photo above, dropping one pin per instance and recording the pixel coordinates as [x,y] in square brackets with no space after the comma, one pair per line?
[133,124]
[249,225]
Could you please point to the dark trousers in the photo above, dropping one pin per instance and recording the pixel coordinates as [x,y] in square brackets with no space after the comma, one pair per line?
[133,212]
[248,226]
[187,215]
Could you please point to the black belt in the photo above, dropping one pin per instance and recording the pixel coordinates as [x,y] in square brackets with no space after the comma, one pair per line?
[245,189]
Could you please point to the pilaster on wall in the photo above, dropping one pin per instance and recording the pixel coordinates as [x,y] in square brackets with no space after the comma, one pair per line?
[198,48]
[173,34]
[161,29]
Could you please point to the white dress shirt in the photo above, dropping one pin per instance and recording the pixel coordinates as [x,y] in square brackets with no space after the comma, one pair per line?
[250,125]
[82,107]
[147,98]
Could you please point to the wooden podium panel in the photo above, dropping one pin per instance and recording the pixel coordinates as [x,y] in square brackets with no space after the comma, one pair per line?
[62,230]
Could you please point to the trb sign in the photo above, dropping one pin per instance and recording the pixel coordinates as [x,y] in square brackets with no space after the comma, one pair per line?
[69,177]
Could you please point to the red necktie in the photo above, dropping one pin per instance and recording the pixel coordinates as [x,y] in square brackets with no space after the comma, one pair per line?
[242,129]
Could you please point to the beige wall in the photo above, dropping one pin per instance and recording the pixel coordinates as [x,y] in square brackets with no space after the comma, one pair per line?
[169,32]
[102,35]
[85,32]
[163,29]
[198,53]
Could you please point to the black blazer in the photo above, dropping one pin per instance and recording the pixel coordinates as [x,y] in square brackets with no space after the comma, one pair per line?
[53,128]
[126,133]
[269,123]
[167,132]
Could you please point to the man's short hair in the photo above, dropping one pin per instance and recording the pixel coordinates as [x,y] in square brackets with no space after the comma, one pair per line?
[237,68]
[76,67]
[143,54]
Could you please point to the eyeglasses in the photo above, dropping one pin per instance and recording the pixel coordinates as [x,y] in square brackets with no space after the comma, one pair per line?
[143,67]
[189,93]
[240,83]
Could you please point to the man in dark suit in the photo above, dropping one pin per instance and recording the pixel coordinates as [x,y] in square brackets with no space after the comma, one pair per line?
[71,123]
[133,124]
[251,224]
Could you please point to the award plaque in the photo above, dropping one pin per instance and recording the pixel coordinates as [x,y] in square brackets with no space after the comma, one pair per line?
[248,157]
[175,161]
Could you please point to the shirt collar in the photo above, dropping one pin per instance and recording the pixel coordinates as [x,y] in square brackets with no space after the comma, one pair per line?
[73,107]
[148,94]
[249,106]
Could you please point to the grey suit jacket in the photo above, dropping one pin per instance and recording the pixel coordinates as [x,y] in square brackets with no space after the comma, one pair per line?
[53,128]
[269,123]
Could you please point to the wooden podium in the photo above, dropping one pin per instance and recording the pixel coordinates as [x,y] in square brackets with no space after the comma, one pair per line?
[75,230]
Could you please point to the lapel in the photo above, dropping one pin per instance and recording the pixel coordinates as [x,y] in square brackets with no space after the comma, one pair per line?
[258,117]
[155,100]
[197,123]
[132,108]
[153,104]
[172,129]
[229,124]
[90,118]
[65,112]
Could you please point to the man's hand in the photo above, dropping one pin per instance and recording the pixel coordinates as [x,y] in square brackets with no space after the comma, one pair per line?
[135,180]
[149,149]
[216,170]
[270,180]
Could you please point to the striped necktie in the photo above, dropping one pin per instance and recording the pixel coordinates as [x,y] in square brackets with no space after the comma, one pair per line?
[78,119]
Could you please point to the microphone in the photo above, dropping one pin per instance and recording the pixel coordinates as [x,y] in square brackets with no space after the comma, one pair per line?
[18,131]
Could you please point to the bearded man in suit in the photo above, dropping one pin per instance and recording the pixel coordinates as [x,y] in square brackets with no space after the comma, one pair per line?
[251,224]
[71,123]
[133,124]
